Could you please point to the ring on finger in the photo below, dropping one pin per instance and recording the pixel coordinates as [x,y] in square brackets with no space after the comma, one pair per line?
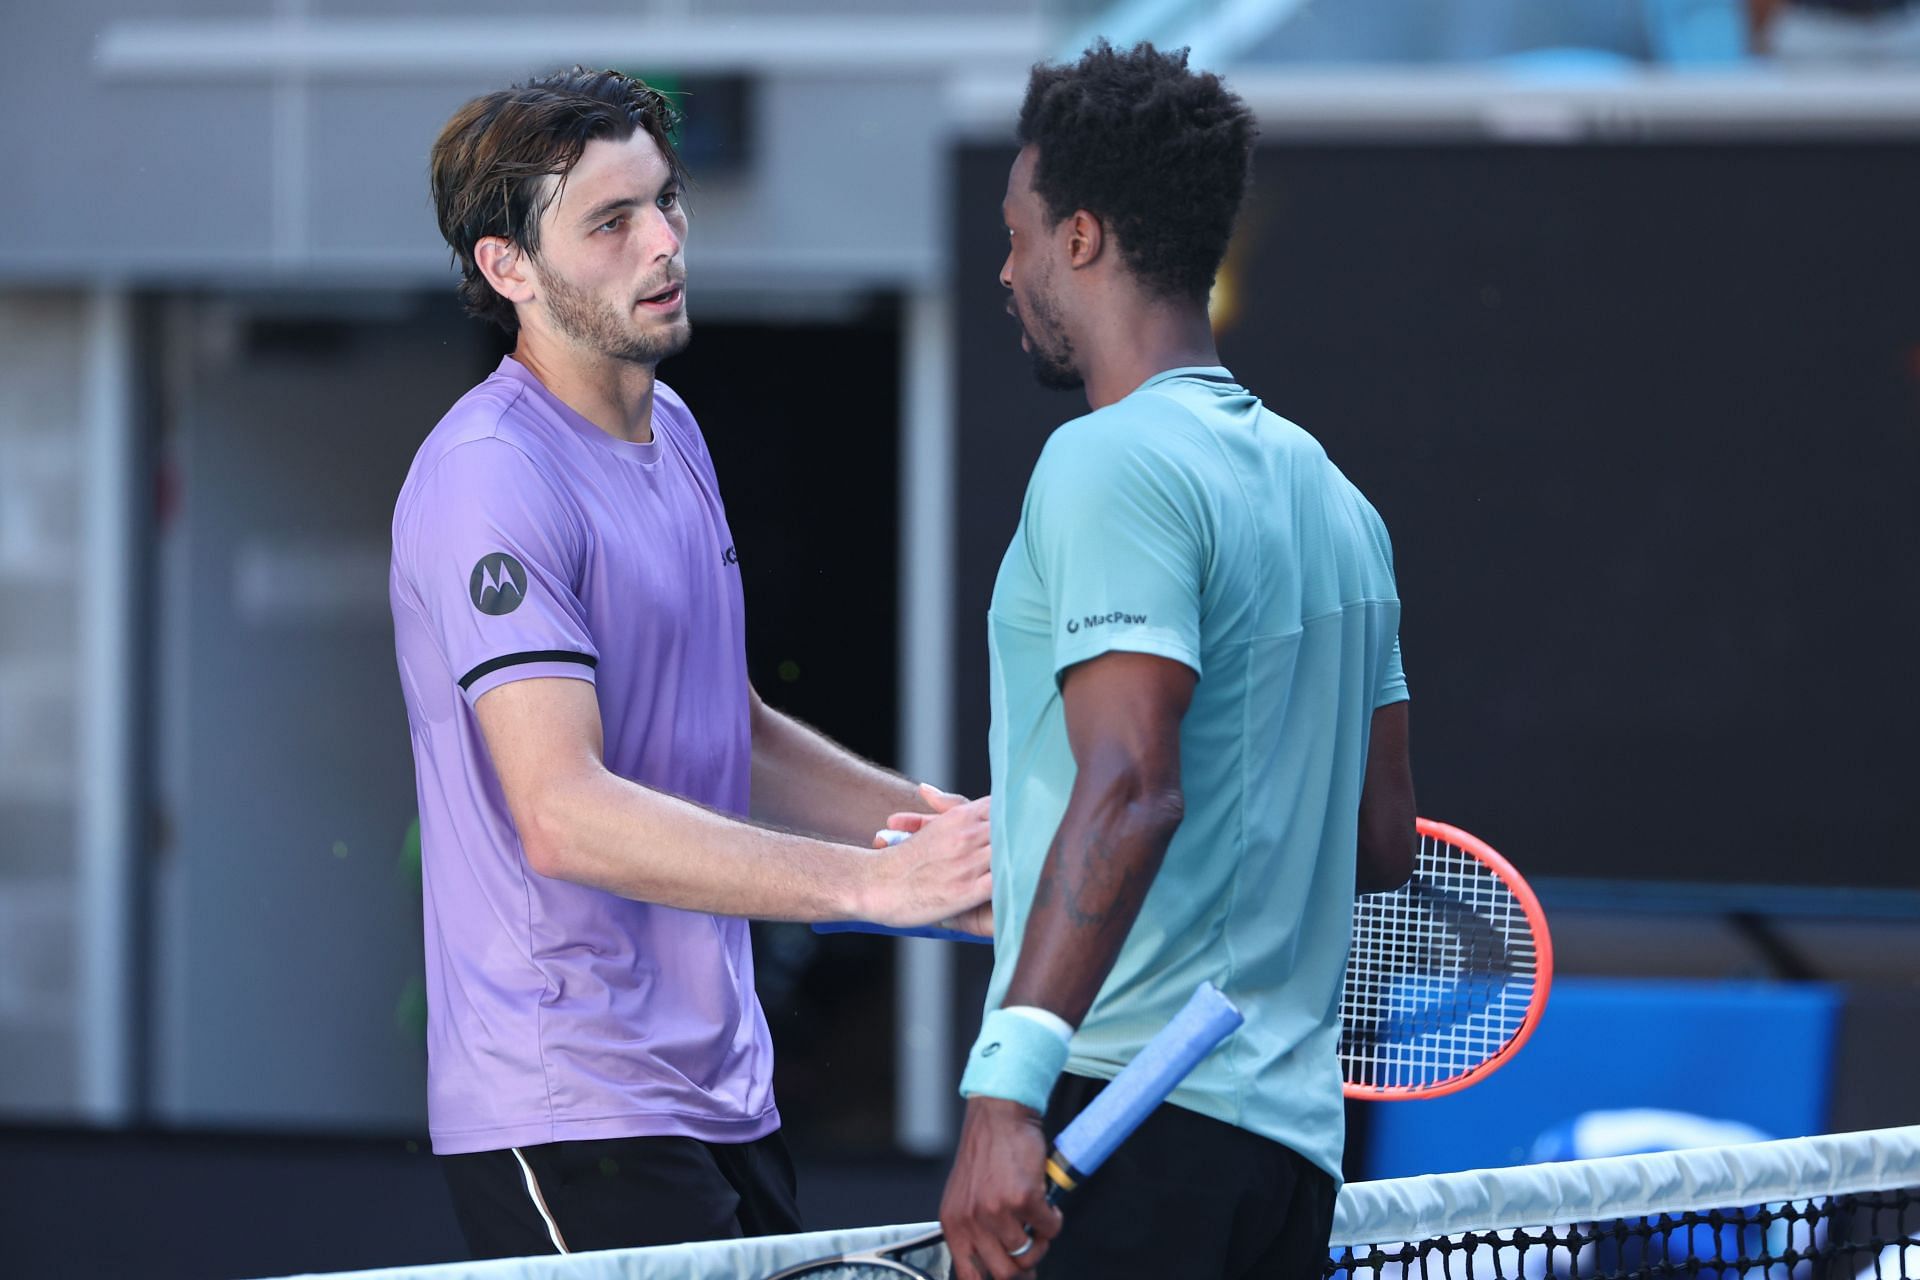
[1024,1247]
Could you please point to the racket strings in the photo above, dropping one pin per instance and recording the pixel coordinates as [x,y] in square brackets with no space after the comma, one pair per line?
[1441,974]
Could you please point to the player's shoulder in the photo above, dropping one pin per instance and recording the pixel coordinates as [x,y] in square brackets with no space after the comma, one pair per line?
[487,441]
[1136,429]
[1279,434]
[1087,452]
[1355,500]
[1140,443]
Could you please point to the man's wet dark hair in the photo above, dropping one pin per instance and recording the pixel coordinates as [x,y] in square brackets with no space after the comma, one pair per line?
[490,165]
[1159,153]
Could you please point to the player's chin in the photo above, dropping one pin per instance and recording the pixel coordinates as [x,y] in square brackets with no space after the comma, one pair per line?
[663,326]
[668,340]
[1056,375]
[650,319]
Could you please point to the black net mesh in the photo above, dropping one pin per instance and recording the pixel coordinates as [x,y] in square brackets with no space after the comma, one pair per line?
[1868,1236]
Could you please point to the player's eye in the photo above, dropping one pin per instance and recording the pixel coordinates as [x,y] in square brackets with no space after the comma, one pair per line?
[612,224]
[668,199]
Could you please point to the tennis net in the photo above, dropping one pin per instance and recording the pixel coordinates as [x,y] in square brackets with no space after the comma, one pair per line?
[1822,1208]
[1835,1207]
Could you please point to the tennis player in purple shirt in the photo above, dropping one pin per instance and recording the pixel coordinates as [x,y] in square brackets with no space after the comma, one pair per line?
[591,758]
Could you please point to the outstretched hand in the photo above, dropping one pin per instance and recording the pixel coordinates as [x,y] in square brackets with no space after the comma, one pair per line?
[977,920]
[943,874]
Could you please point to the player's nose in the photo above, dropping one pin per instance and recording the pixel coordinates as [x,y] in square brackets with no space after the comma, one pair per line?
[663,237]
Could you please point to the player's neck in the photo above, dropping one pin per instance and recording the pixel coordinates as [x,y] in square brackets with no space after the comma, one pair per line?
[1133,344]
[614,395]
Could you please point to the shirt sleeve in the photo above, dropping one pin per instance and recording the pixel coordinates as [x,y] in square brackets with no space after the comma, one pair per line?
[1392,686]
[1118,538]
[1393,680]
[494,557]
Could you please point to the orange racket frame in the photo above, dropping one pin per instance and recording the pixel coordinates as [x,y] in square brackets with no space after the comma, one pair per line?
[1387,952]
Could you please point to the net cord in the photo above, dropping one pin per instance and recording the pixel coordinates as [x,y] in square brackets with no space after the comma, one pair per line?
[1448,1204]
[1368,1213]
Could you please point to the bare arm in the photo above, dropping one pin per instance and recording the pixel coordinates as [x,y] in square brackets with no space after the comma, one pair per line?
[1123,724]
[1387,836]
[805,781]
[1123,714]
[580,822]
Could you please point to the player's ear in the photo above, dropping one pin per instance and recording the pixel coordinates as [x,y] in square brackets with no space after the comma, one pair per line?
[506,267]
[1086,239]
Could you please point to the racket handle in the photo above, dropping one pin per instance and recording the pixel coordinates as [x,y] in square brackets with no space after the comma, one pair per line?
[923,931]
[1143,1084]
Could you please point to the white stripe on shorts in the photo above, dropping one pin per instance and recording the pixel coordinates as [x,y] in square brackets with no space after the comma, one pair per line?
[540,1202]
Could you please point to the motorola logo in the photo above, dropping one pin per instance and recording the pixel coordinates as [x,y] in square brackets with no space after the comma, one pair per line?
[498,584]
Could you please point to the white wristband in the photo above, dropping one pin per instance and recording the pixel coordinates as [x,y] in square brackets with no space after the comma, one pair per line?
[1015,1058]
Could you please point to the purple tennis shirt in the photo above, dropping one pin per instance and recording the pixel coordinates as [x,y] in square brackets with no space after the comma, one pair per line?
[529,543]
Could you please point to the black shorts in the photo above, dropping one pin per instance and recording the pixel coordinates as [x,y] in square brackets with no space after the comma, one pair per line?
[1191,1197]
[620,1193]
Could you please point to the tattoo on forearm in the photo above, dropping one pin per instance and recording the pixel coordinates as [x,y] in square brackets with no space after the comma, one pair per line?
[1106,879]
[1097,892]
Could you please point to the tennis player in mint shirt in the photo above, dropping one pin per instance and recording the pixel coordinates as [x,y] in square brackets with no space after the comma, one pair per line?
[1199,740]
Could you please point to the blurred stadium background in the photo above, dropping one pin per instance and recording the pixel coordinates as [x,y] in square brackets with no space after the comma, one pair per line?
[1612,306]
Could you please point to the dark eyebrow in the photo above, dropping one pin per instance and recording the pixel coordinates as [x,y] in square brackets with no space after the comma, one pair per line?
[607,208]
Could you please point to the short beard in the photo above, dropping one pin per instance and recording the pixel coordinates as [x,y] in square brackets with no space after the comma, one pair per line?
[1054,369]
[595,325]
[1056,372]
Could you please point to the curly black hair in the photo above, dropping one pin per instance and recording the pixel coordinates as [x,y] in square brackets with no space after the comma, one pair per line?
[490,164]
[1159,153]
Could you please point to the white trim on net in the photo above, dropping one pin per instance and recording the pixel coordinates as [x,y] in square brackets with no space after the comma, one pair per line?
[1409,1208]
[1449,1204]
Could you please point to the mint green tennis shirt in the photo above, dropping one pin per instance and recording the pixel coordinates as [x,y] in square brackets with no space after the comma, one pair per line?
[1190,522]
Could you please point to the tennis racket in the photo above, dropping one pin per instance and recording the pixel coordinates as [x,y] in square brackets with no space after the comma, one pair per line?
[1082,1147]
[1448,974]
[1446,979]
